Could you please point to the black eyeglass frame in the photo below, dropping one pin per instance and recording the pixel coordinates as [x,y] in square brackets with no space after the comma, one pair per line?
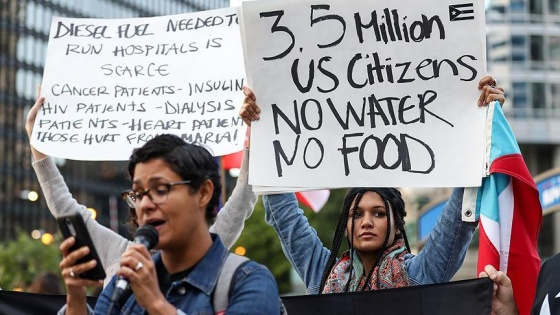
[131,200]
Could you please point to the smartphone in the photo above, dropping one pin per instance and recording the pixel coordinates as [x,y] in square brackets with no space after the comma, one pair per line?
[73,225]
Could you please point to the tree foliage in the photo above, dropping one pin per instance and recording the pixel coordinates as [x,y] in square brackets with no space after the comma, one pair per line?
[24,258]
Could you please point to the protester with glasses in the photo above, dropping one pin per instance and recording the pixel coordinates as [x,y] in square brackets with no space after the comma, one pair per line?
[175,188]
[157,194]
[110,245]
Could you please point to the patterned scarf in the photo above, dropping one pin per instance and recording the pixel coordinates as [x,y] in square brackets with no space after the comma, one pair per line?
[391,271]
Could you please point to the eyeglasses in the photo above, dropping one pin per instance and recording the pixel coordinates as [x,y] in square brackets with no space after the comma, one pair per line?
[157,194]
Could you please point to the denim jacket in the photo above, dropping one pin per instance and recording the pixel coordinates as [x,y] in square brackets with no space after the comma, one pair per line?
[437,262]
[254,291]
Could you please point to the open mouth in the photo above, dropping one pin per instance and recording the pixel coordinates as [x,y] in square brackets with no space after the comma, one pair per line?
[156,223]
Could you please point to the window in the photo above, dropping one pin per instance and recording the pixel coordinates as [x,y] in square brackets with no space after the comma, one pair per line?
[555,99]
[554,6]
[537,48]
[517,6]
[518,50]
[554,48]
[519,92]
[537,52]
[538,99]
[536,7]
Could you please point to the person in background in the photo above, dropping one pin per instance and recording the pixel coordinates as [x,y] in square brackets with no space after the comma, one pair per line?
[175,187]
[109,244]
[372,221]
[46,283]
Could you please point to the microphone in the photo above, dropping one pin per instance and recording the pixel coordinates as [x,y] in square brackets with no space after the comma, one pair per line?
[147,235]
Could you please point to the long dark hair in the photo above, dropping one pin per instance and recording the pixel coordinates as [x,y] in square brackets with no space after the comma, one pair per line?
[393,200]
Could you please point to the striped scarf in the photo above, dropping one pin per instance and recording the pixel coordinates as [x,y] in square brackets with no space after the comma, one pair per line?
[390,273]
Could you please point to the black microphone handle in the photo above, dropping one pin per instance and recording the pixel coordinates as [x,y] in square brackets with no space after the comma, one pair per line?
[147,236]
[122,282]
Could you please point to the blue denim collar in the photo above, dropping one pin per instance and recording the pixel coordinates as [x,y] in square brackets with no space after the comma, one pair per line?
[204,275]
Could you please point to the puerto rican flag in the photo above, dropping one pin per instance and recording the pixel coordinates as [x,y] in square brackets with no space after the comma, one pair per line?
[510,212]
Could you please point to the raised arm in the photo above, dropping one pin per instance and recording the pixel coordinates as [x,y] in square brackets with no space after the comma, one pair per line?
[109,245]
[446,247]
[299,240]
[238,208]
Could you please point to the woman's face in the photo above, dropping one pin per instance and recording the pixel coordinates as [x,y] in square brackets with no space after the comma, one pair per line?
[180,215]
[370,224]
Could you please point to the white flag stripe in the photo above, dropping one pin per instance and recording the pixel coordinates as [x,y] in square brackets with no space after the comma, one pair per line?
[500,233]
[505,200]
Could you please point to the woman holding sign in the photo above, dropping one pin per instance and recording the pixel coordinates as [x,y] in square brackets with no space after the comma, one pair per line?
[372,220]
[110,245]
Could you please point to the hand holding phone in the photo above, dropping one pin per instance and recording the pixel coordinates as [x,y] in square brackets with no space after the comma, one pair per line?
[73,225]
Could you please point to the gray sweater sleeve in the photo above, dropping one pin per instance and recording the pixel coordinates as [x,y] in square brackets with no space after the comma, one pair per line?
[109,244]
[238,208]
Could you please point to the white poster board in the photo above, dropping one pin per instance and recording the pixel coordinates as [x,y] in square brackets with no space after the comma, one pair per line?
[113,84]
[365,93]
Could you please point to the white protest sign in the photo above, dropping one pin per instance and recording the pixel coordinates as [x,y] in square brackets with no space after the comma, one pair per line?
[113,84]
[365,93]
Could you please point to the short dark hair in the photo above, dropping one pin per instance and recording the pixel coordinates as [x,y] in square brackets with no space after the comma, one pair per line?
[190,161]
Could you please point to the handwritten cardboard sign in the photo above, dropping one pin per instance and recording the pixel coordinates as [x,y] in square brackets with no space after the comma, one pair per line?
[111,85]
[365,93]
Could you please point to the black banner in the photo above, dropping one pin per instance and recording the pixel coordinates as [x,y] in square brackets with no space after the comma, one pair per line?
[467,297]
[21,303]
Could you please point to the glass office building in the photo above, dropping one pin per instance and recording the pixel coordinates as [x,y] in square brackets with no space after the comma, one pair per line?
[523,40]
[24,29]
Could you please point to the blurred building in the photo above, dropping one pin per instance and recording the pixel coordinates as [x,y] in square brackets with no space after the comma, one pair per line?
[523,40]
[24,30]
